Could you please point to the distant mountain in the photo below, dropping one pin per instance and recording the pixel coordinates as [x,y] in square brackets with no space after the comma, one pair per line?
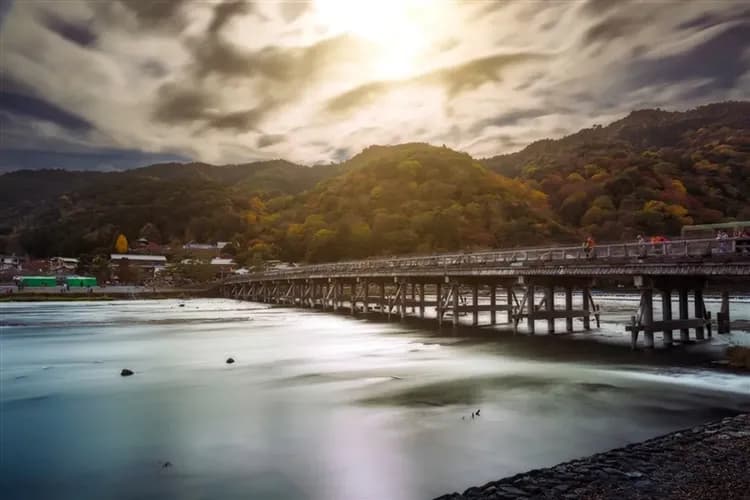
[49,212]
[652,171]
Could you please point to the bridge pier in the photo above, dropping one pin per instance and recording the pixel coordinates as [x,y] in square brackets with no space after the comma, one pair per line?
[666,311]
[644,320]
[475,304]
[549,302]
[531,304]
[421,300]
[722,319]
[456,290]
[684,315]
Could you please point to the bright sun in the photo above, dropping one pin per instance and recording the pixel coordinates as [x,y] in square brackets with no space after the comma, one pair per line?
[394,26]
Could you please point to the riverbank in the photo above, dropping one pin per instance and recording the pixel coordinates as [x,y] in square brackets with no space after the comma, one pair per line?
[710,461]
[108,294]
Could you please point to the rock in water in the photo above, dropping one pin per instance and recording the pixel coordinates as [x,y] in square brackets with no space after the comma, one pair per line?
[230,361]
[126,372]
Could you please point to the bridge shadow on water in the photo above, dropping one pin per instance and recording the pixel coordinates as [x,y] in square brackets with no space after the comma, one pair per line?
[592,346]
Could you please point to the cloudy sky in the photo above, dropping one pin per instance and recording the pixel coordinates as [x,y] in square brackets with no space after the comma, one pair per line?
[122,83]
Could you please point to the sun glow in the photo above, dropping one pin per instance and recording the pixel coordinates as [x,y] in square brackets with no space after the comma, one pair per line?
[394,27]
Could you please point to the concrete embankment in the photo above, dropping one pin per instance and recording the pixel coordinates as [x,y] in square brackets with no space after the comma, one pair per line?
[711,461]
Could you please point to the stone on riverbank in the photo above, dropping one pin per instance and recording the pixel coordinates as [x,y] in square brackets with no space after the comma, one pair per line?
[230,361]
[710,461]
[126,372]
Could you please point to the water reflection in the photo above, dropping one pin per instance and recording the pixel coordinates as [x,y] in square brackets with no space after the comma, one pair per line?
[316,406]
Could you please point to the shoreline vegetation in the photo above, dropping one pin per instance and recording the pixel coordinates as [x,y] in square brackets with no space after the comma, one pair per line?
[709,461]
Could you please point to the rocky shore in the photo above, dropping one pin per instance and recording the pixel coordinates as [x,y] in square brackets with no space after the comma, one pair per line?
[711,461]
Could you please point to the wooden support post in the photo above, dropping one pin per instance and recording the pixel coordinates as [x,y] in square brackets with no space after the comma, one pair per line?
[569,308]
[439,308]
[684,314]
[382,297]
[353,297]
[531,306]
[586,310]
[475,304]
[509,301]
[366,297]
[413,296]
[403,286]
[648,317]
[421,300]
[493,303]
[723,318]
[666,311]
[699,312]
[456,293]
[550,306]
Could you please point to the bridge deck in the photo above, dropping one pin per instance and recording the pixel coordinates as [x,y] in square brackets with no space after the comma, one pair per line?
[678,258]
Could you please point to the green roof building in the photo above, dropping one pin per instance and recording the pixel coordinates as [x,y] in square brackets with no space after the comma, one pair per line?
[80,281]
[38,281]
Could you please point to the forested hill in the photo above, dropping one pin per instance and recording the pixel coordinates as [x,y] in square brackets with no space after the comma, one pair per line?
[652,171]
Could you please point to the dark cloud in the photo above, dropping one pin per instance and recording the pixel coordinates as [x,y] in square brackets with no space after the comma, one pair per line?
[612,28]
[5,6]
[470,75]
[239,121]
[454,79]
[269,140]
[359,96]
[509,118]
[155,13]
[709,19]
[154,68]
[289,65]
[720,59]
[177,104]
[37,108]
[224,11]
[80,34]
[598,7]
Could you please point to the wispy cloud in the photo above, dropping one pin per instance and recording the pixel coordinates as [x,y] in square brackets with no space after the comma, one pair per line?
[314,81]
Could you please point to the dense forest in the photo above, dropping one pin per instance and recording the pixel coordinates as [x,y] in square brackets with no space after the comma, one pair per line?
[650,173]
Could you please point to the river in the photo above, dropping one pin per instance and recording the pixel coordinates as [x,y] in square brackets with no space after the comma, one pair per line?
[318,406]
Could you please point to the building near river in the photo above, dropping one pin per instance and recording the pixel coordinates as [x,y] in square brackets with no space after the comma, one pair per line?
[37,281]
[80,281]
[63,264]
[151,264]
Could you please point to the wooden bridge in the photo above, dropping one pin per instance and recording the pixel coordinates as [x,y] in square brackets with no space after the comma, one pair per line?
[521,284]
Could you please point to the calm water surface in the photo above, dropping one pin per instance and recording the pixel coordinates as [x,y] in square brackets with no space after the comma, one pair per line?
[316,406]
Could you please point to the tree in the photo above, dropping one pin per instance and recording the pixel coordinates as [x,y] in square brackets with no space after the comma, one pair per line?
[150,232]
[121,244]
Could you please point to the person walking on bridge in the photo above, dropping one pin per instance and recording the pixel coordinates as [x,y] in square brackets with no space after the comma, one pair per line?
[588,246]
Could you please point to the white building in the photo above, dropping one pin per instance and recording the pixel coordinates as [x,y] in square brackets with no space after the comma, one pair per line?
[63,264]
[153,263]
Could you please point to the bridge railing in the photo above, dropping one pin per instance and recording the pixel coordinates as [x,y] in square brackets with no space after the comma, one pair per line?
[562,255]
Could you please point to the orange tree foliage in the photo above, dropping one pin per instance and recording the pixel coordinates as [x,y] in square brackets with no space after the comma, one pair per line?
[651,172]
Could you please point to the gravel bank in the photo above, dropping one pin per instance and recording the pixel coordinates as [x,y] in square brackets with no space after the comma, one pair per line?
[711,461]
